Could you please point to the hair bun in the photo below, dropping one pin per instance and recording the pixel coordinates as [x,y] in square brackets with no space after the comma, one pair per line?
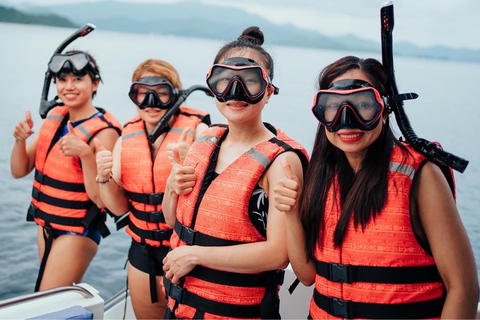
[253,35]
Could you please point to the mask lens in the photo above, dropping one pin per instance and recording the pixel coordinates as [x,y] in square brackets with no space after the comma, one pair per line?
[77,60]
[156,92]
[365,103]
[252,79]
[138,92]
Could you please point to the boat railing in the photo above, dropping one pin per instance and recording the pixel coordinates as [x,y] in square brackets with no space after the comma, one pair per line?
[40,294]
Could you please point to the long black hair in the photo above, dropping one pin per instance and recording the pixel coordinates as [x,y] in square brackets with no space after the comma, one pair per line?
[362,193]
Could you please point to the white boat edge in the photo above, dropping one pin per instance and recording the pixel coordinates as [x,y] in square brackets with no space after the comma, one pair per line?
[294,306]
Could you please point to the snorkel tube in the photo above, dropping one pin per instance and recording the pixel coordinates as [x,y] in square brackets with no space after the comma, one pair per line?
[431,150]
[45,105]
[162,125]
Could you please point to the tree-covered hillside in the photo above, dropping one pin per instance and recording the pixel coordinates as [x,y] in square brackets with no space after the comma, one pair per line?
[12,15]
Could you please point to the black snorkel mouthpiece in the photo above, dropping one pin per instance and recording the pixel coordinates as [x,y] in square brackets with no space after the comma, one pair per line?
[395,101]
[45,105]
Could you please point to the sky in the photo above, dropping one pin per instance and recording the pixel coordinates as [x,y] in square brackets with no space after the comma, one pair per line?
[453,23]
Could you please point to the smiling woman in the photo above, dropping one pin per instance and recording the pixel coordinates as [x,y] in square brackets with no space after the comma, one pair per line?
[63,155]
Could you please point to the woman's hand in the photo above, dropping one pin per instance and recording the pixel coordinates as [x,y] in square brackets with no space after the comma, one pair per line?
[182,146]
[179,262]
[286,191]
[72,146]
[182,178]
[23,129]
[104,160]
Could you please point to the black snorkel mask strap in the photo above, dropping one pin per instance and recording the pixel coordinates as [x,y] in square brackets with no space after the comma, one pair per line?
[45,105]
[395,101]
[162,125]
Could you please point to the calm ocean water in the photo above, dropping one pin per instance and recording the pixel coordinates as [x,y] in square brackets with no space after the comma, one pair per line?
[448,111]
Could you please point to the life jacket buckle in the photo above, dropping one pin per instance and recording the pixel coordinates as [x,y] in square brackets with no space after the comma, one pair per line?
[339,273]
[188,235]
[155,198]
[339,308]
[36,194]
[176,292]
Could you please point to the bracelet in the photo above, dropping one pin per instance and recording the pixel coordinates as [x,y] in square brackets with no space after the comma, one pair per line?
[104,181]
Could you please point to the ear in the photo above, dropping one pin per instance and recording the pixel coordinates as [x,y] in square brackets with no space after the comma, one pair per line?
[269,92]
[95,85]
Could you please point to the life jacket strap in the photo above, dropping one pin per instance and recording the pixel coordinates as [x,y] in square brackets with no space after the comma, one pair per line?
[148,216]
[337,272]
[256,280]
[350,309]
[192,237]
[145,198]
[157,235]
[57,184]
[57,202]
[182,296]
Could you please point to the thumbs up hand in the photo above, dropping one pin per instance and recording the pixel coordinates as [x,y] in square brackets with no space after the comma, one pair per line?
[182,146]
[182,178]
[286,191]
[23,129]
[104,160]
[71,145]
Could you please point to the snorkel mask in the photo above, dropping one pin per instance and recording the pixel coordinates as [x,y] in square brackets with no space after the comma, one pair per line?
[76,63]
[238,79]
[153,92]
[352,104]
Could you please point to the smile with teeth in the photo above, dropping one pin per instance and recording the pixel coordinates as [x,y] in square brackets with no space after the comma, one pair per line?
[350,135]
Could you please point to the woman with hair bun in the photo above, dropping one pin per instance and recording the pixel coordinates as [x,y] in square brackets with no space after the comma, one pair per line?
[228,244]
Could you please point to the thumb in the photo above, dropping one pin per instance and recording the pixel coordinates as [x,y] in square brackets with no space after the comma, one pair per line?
[98,145]
[176,156]
[28,118]
[70,128]
[183,137]
[288,170]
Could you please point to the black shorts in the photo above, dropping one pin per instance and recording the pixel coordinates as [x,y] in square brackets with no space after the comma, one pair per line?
[141,256]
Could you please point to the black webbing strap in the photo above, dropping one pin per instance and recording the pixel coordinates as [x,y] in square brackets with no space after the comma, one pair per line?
[69,204]
[394,275]
[192,237]
[157,235]
[145,198]
[66,221]
[57,184]
[182,296]
[148,216]
[349,309]
[229,278]
[46,252]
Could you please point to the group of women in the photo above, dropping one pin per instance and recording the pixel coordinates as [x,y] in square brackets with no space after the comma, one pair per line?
[217,211]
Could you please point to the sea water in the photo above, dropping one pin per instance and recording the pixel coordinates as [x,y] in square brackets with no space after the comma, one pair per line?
[447,110]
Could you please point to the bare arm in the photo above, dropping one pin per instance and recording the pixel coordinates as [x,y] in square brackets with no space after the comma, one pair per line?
[111,192]
[244,258]
[449,242]
[287,192]
[22,159]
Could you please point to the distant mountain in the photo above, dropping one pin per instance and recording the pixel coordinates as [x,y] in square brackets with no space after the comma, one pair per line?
[194,19]
[11,15]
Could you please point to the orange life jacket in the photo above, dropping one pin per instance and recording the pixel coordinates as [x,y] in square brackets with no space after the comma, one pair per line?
[217,215]
[144,179]
[381,271]
[59,198]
